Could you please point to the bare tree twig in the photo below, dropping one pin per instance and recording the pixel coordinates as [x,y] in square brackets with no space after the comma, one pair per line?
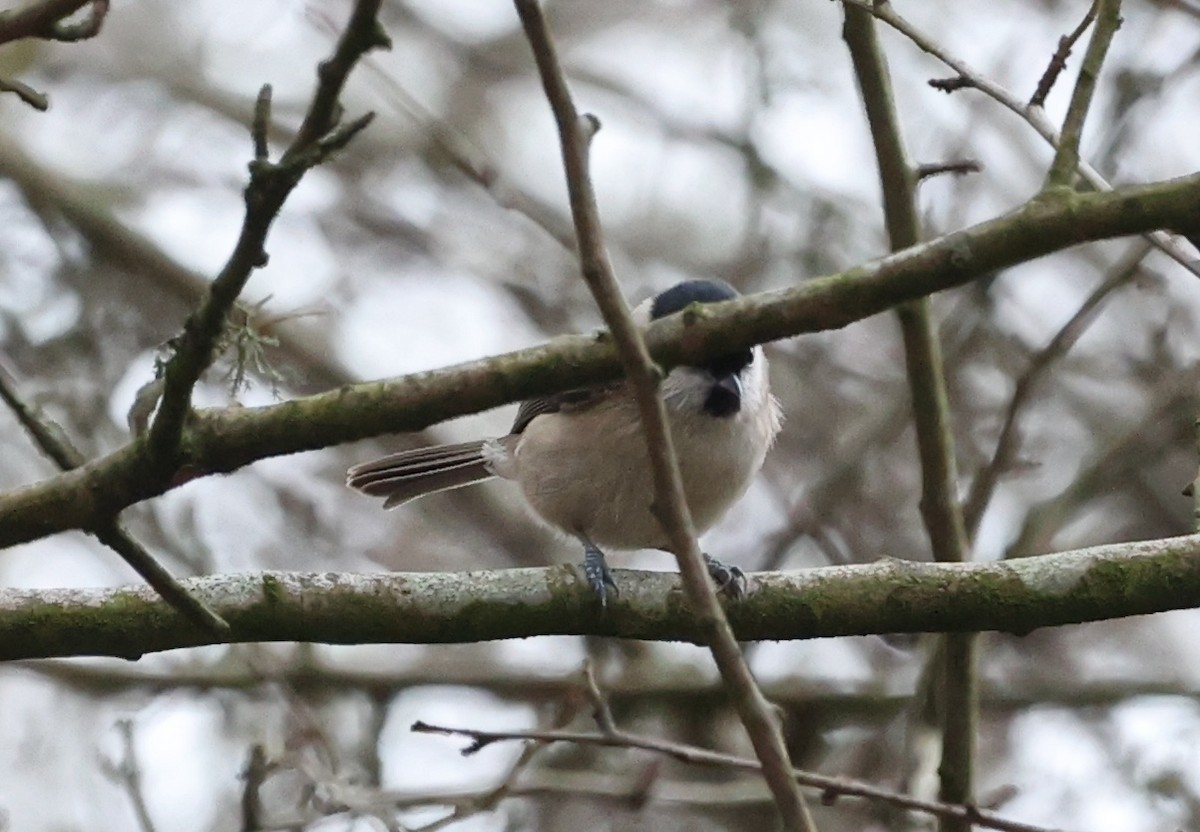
[48,20]
[26,93]
[1066,157]
[939,504]
[959,168]
[39,19]
[270,184]
[51,439]
[831,788]
[670,505]
[510,786]
[1058,61]
[1009,441]
[128,772]
[1034,116]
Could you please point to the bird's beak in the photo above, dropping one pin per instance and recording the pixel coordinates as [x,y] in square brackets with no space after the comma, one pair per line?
[731,384]
[725,397]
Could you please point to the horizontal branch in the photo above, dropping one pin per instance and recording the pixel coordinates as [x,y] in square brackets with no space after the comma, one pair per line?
[683,686]
[888,596]
[218,441]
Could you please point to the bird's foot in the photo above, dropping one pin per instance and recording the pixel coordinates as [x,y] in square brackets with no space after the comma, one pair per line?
[730,580]
[599,578]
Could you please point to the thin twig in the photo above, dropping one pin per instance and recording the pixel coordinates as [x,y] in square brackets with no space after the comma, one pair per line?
[1058,61]
[960,167]
[53,442]
[1009,442]
[255,774]
[1066,156]
[37,20]
[939,505]
[575,132]
[128,771]
[830,788]
[1035,117]
[510,786]
[270,185]
[26,93]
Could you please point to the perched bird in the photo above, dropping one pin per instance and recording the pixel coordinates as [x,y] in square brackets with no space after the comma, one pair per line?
[580,457]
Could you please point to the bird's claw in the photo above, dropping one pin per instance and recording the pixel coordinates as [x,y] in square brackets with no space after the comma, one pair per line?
[730,580]
[598,575]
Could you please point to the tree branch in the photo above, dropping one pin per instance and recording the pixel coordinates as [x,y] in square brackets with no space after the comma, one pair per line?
[888,596]
[958,693]
[270,185]
[1058,61]
[668,501]
[218,441]
[53,442]
[609,734]
[1066,156]
[44,19]
[1035,117]
[831,788]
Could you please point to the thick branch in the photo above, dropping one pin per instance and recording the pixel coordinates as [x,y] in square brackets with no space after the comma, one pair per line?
[224,440]
[889,596]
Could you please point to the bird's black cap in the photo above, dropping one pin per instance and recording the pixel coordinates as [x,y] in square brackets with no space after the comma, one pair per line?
[682,295]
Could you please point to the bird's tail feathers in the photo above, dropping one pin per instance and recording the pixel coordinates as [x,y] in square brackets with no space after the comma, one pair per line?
[406,475]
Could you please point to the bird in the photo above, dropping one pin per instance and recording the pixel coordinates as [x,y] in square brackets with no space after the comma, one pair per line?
[580,457]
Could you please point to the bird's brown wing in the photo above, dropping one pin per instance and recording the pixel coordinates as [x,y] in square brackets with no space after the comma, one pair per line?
[571,400]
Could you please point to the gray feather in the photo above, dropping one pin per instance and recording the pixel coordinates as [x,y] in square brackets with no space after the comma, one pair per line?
[406,475]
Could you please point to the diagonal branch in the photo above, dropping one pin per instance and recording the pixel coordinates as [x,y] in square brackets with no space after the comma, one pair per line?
[270,184]
[670,505]
[1066,157]
[40,19]
[223,440]
[1035,117]
[51,439]
[831,788]
[1058,61]
[1009,442]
